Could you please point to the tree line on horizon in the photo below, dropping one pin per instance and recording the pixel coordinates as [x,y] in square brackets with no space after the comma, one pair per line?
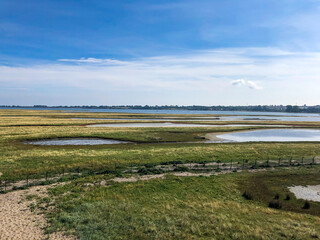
[257,108]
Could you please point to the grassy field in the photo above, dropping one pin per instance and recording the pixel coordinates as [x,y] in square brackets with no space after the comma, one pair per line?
[19,160]
[185,208]
[171,208]
[61,118]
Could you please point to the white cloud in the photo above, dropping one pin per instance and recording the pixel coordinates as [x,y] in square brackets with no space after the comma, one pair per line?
[254,85]
[247,83]
[93,60]
[286,77]
[238,82]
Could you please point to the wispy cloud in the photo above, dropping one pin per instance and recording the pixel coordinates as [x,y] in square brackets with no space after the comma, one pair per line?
[250,84]
[93,60]
[210,75]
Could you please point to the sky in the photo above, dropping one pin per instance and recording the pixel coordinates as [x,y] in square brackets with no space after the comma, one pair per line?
[146,52]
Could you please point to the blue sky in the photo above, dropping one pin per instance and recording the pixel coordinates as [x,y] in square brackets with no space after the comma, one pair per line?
[159,52]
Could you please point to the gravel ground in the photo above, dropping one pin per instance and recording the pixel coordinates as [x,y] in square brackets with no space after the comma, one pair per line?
[18,222]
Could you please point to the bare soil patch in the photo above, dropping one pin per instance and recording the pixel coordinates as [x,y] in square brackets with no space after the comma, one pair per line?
[18,222]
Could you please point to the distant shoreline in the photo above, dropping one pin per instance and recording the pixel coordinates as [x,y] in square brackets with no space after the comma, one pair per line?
[258,108]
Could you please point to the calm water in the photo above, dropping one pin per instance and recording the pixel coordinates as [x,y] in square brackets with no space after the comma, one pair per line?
[151,119]
[169,124]
[75,141]
[278,118]
[274,135]
[225,118]
[244,113]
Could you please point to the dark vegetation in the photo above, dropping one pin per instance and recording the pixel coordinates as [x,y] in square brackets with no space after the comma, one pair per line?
[266,186]
[247,195]
[306,205]
[165,208]
[275,204]
[258,108]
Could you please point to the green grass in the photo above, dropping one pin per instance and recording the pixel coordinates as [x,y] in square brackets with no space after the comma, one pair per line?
[264,187]
[172,208]
[17,160]
[177,208]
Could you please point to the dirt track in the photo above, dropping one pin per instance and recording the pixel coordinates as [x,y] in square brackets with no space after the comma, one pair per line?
[18,222]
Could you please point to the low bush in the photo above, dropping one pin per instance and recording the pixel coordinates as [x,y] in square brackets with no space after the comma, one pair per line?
[145,171]
[172,162]
[149,165]
[247,195]
[275,204]
[181,169]
[306,205]
[287,197]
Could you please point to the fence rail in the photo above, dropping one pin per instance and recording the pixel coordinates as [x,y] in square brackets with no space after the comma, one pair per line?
[66,174]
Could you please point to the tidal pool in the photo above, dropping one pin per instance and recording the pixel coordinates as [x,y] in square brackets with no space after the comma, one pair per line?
[75,141]
[169,124]
[309,192]
[273,135]
[224,118]
[151,119]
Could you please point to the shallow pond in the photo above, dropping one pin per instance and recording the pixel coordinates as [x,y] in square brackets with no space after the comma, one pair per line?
[75,141]
[150,119]
[309,192]
[224,118]
[273,135]
[169,124]
[275,118]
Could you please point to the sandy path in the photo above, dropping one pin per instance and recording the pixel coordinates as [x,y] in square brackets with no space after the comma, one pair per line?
[18,222]
[136,178]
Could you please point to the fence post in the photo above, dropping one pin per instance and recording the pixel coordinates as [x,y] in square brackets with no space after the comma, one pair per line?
[46,175]
[5,185]
[302,160]
[290,161]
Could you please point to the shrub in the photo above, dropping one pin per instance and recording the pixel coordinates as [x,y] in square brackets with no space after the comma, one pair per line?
[181,169]
[172,162]
[287,197]
[145,171]
[306,205]
[199,137]
[277,196]
[247,195]
[149,165]
[275,204]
